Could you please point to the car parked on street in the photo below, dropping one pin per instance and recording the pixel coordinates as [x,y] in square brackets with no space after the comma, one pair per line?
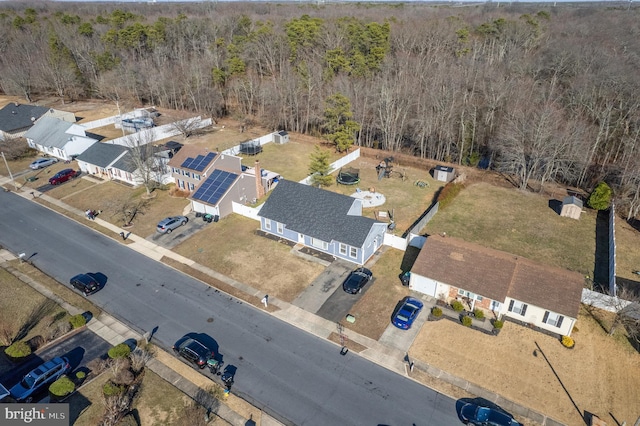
[473,414]
[357,280]
[86,283]
[38,378]
[63,176]
[168,224]
[407,314]
[194,351]
[41,163]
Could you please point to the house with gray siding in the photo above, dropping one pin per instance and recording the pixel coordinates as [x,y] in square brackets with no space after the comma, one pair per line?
[323,220]
[16,118]
[58,138]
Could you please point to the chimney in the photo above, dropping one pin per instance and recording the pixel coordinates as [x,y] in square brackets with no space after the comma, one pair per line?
[259,187]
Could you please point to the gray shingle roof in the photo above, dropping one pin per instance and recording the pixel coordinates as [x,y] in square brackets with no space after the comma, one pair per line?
[18,117]
[317,213]
[50,131]
[101,154]
[572,200]
[126,163]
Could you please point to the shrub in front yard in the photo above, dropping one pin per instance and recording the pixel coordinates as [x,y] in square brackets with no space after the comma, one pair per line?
[466,321]
[111,389]
[119,351]
[600,198]
[568,342]
[498,324]
[436,312]
[479,313]
[62,387]
[77,321]
[18,350]
[457,306]
[448,193]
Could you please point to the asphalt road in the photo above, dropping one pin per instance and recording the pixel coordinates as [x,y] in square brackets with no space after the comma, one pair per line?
[294,376]
[79,349]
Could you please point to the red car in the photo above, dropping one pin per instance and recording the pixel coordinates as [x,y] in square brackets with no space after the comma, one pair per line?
[63,176]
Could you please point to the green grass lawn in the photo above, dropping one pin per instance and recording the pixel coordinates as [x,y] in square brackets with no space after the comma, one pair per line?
[521,223]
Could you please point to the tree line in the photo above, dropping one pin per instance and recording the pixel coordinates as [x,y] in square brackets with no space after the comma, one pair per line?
[538,92]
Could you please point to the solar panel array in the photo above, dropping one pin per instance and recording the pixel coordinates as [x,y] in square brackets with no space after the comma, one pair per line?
[198,163]
[215,186]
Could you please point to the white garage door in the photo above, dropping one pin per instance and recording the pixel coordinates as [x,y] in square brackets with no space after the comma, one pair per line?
[423,285]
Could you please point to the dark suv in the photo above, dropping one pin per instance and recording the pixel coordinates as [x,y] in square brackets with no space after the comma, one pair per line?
[63,176]
[356,280]
[86,283]
[194,351]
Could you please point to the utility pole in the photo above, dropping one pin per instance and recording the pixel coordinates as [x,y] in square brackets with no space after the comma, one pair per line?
[9,170]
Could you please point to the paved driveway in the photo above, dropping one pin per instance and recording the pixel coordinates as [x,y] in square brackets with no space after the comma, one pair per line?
[324,286]
[403,339]
[179,234]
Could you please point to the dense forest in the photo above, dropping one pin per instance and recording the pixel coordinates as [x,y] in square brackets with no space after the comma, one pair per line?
[541,93]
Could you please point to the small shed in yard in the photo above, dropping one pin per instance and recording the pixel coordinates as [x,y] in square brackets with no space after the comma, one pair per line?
[281,137]
[444,173]
[571,207]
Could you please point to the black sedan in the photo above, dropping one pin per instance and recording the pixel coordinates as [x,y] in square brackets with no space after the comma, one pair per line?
[86,283]
[356,280]
[473,414]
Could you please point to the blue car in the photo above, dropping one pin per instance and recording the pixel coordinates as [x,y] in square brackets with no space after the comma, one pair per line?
[484,416]
[407,314]
[39,378]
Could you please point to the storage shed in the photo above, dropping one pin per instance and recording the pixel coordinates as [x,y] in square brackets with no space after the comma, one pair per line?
[281,137]
[444,173]
[571,207]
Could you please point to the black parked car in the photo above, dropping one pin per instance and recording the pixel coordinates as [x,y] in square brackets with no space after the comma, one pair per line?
[86,283]
[356,280]
[194,351]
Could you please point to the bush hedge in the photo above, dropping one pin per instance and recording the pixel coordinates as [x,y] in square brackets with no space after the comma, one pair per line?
[498,324]
[449,193]
[478,313]
[62,387]
[457,306]
[81,375]
[77,321]
[568,342]
[119,351]
[111,389]
[466,321]
[18,350]
[436,312]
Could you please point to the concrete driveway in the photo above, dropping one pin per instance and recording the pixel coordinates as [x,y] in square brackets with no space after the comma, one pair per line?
[403,339]
[321,289]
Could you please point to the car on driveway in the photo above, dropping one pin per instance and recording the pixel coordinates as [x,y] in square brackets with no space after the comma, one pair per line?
[356,280]
[41,163]
[194,351]
[407,314]
[473,414]
[168,224]
[86,283]
[38,378]
[63,176]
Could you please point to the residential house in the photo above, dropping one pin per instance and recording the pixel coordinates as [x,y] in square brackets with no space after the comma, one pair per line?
[323,220]
[214,180]
[511,286]
[16,118]
[58,138]
[115,162]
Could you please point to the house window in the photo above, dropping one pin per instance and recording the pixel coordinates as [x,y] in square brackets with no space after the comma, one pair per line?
[552,319]
[342,248]
[267,224]
[319,244]
[196,177]
[191,186]
[470,295]
[176,170]
[353,252]
[181,184]
[517,307]
[187,174]
[280,228]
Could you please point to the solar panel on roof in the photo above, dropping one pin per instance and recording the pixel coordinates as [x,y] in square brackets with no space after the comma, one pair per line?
[199,163]
[215,186]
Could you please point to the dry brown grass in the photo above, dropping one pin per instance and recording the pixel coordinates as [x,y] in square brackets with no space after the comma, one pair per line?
[520,223]
[601,374]
[231,247]
[627,253]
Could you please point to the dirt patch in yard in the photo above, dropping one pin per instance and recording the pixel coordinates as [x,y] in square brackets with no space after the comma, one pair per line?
[600,375]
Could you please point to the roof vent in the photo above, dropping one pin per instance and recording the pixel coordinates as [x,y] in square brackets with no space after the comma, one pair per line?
[33,119]
[16,104]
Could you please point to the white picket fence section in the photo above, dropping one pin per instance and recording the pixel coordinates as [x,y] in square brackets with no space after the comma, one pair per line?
[395,241]
[262,140]
[246,211]
[157,133]
[337,164]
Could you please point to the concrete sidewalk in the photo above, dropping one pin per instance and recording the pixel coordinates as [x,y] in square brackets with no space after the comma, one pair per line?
[387,355]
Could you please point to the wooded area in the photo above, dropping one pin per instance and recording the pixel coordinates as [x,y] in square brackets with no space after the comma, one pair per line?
[539,92]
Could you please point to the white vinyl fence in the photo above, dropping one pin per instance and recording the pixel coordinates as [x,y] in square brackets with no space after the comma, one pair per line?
[337,164]
[157,133]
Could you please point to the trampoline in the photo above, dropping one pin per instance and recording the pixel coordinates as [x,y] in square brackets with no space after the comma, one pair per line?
[250,148]
[348,176]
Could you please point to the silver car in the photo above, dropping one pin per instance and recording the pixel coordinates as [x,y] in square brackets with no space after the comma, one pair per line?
[41,163]
[166,225]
